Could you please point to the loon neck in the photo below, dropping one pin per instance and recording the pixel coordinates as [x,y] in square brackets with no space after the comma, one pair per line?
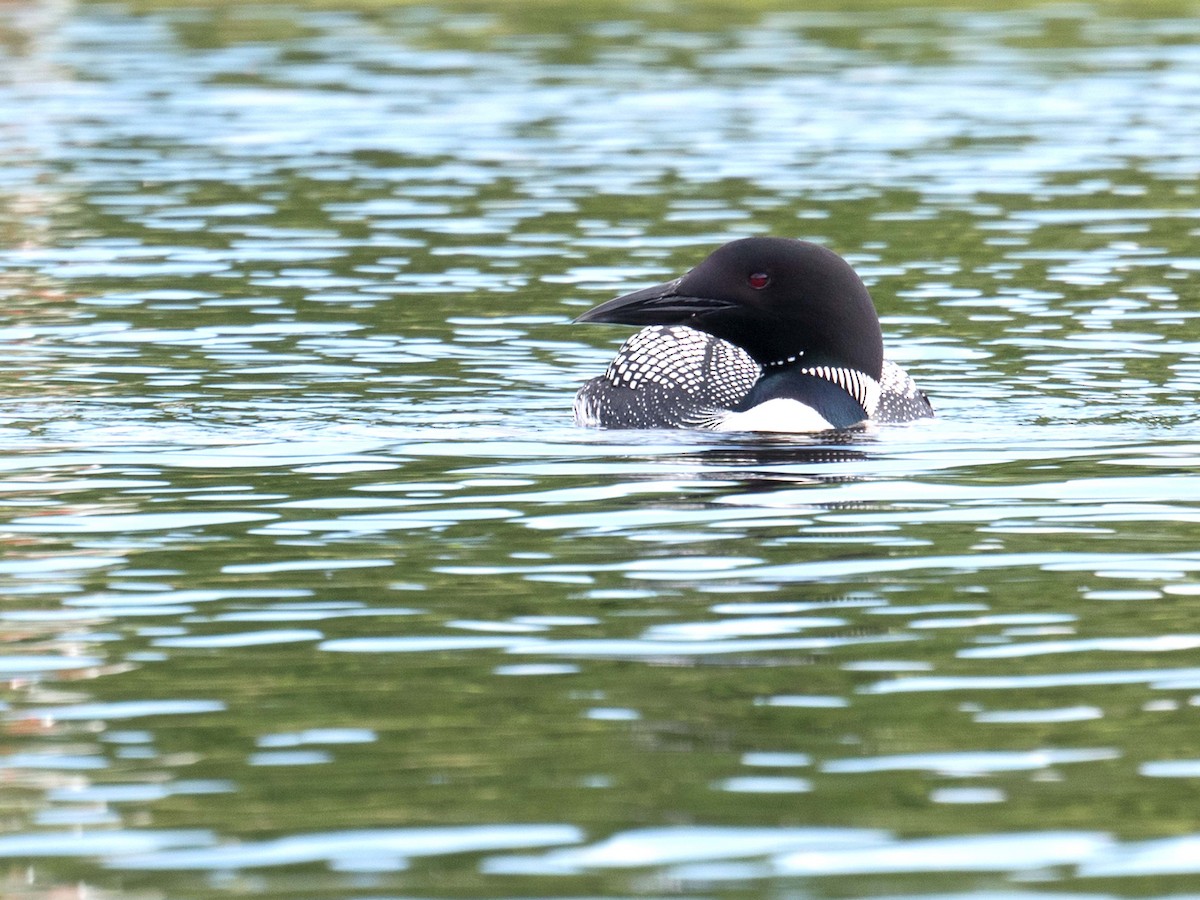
[864,388]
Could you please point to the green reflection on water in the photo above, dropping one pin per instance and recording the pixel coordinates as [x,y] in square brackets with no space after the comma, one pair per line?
[367,344]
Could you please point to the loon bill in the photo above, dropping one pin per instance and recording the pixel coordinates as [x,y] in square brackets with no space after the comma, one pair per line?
[766,334]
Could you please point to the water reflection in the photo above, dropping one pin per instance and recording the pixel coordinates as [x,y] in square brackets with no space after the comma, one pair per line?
[307,574]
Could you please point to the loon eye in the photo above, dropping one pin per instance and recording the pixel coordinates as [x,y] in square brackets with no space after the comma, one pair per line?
[758,280]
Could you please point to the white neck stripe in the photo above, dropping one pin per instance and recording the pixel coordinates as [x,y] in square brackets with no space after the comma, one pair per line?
[859,385]
[785,362]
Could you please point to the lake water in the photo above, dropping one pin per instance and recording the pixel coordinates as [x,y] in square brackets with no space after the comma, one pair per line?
[310,588]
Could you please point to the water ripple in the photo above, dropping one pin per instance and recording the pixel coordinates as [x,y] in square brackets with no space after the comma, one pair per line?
[287,299]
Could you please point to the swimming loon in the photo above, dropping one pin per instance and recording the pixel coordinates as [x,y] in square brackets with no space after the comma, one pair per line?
[766,334]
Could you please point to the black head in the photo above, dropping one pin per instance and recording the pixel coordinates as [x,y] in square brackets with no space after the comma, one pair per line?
[777,298]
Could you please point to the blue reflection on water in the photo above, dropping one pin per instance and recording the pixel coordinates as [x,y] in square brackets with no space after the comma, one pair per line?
[286,323]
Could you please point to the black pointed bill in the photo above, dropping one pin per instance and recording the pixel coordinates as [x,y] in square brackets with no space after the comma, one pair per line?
[655,305]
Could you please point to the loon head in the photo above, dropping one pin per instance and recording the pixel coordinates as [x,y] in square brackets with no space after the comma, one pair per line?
[783,301]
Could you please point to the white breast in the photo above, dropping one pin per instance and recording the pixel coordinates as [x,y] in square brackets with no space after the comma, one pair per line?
[780,414]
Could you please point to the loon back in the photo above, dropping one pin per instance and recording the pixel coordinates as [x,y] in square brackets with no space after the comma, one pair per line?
[667,376]
[673,376]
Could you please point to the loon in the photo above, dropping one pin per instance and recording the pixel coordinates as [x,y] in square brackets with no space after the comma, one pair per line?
[765,334]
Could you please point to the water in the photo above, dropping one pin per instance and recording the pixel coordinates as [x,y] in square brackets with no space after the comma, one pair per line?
[311,589]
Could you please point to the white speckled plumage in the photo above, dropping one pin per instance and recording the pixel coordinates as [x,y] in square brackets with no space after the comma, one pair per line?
[672,376]
[900,400]
[663,376]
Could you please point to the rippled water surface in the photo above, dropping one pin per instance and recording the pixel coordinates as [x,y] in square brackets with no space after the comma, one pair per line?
[310,588]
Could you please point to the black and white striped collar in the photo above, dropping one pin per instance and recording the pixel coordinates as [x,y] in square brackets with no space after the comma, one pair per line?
[788,361]
[859,385]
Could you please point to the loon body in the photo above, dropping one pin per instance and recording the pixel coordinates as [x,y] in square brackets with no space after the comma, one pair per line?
[766,334]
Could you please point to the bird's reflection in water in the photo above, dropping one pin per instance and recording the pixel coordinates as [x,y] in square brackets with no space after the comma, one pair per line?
[768,462]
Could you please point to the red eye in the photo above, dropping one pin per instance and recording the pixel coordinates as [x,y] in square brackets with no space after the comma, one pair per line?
[759,280]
